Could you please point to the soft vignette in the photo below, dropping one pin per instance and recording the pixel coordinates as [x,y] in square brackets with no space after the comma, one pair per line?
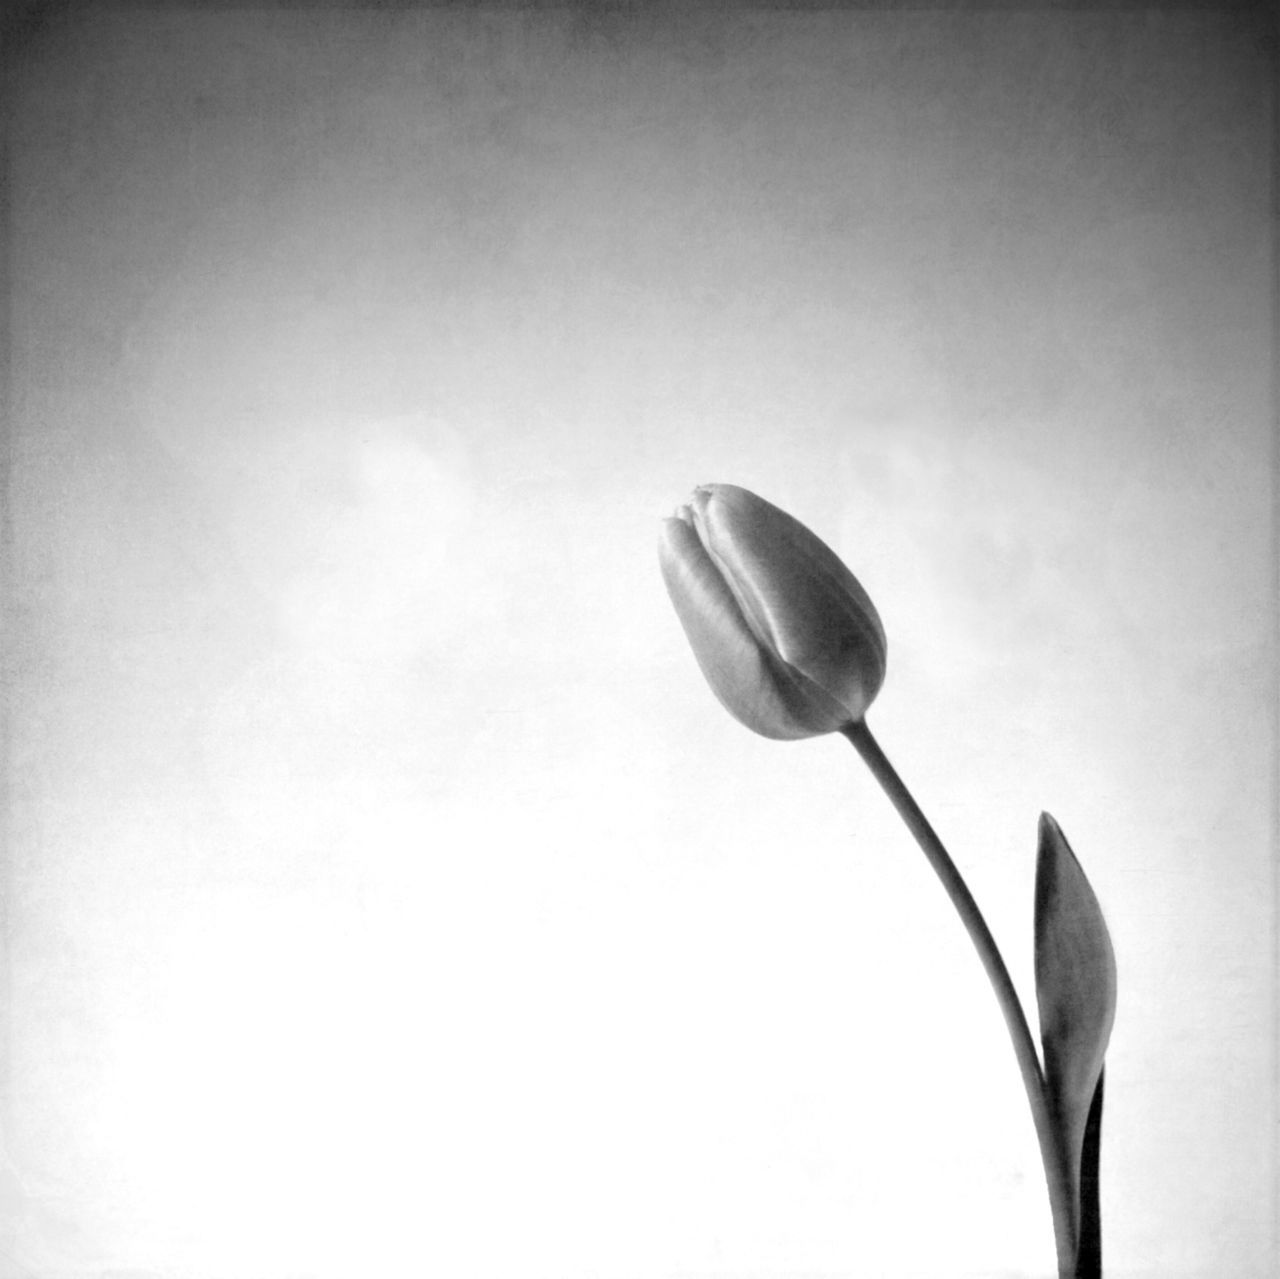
[224,787]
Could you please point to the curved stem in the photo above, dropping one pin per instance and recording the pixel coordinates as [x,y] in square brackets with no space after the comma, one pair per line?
[1051,1153]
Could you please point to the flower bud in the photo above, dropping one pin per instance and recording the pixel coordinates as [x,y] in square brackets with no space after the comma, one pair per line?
[788,640]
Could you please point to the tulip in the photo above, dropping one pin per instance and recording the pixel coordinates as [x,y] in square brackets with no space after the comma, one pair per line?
[786,637]
[792,646]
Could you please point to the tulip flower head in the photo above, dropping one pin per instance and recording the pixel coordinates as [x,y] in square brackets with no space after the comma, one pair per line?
[786,637]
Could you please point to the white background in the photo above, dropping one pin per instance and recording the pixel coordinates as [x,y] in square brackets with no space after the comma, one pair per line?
[386,893]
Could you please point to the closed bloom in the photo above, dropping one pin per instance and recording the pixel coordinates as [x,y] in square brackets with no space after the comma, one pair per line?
[787,638]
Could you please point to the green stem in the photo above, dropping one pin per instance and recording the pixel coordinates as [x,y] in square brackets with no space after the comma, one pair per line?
[1089,1258]
[1051,1153]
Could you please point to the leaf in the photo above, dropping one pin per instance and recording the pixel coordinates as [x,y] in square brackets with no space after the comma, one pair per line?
[1076,995]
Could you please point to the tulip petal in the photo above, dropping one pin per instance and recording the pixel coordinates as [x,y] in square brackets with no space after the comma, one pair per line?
[1075,991]
[795,592]
[747,681]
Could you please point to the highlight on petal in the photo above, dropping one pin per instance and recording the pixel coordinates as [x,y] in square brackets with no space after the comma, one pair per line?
[1075,991]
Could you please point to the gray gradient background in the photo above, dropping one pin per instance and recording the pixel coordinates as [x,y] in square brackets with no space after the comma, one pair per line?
[386,893]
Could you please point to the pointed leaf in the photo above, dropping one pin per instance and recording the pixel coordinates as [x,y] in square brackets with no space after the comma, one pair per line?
[1075,991]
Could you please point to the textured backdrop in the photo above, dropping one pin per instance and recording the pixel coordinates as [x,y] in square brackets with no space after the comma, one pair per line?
[386,894]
